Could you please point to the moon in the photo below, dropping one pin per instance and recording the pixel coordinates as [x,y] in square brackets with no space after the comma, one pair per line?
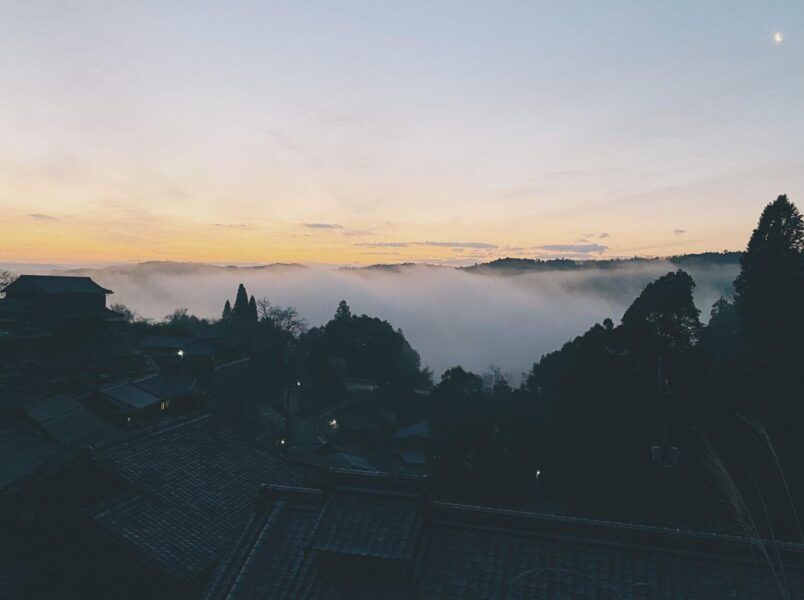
[778,37]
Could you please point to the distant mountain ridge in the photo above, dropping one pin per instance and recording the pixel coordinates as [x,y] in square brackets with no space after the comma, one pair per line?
[511,265]
[500,266]
[518,265]
[158,267]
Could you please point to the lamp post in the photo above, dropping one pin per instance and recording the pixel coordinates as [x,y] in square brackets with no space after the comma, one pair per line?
[286,439]
[665,455]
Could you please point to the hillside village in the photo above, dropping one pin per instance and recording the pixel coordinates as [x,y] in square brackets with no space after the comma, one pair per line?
[251,456]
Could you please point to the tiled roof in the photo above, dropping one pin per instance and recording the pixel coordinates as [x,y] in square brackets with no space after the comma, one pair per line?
[468,552]
[417,430]
[57,284]
[70,423]
[25,453]
[166,385]
[128,395]
[176,539]
[196,483]
[13,397]
[368,524]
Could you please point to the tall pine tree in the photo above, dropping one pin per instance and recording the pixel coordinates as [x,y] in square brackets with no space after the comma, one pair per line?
[253,317]
[240,311]
[769,291]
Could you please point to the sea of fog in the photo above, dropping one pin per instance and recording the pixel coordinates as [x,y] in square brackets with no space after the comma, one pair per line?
[450,316]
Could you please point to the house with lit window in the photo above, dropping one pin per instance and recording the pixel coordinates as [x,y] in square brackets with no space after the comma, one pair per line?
[127,405]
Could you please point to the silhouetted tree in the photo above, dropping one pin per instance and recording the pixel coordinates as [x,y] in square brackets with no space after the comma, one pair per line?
[663,320]
[240,310]
[722,339]
[458,382]
[129,315]
[227,311]
[6,278]
[369,347]
[252,310]
[343,313]
[178,316]
[769,291]
[283,318]
[488,449]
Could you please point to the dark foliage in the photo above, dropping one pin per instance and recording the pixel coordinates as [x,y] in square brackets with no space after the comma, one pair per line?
[769,292]
[728,396]
[365,347]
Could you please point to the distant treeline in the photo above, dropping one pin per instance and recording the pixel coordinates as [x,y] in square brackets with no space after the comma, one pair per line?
[511,265]
[566,264]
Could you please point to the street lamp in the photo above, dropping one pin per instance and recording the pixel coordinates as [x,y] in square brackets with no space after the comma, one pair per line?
[287,416]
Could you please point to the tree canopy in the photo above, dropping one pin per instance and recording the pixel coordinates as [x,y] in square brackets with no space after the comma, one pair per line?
[769,291]
[369,347]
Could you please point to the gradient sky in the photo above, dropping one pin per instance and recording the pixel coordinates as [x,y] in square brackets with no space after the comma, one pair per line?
[379,131]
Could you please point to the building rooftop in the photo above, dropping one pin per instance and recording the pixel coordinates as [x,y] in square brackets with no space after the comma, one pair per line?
[25,454]
[190,492]
[168,385]
[130,396]
[370,535]
[417,430]
[56,284]
[70,423]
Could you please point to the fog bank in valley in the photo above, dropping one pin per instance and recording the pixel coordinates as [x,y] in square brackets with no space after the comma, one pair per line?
[450,316]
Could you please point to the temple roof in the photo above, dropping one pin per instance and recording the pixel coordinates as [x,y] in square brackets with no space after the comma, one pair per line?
[56,284]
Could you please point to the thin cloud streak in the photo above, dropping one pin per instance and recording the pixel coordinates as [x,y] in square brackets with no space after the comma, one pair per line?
[575,248]
[232,225]
[454,245]
[42,217]
[322,226]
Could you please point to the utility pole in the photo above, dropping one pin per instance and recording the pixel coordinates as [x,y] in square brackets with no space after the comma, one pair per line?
[285,441]
[286,434]
[664,455]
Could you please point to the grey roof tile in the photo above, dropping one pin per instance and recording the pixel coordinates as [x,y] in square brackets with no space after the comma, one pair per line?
[70,423]
[368,524]
[197,483]
[469,552]
[130,396]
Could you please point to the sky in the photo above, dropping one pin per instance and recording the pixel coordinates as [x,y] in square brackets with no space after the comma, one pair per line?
[379,132]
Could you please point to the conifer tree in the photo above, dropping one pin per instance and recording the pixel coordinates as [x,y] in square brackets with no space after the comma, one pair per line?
[240,311]
[769,291]
[343,313]
[252,311]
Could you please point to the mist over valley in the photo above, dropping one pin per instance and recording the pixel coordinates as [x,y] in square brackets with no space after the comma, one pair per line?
[473,317]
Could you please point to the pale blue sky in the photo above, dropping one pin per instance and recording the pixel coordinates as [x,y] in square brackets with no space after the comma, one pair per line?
[417,130]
